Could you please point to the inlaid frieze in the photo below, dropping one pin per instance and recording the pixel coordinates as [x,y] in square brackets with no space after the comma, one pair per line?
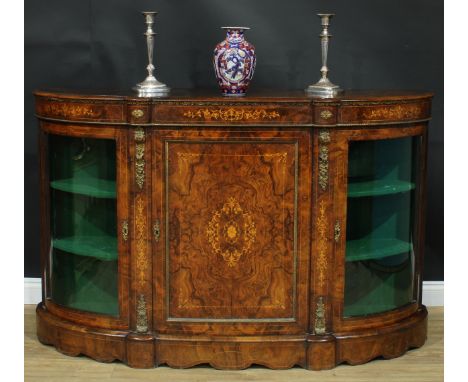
[87,110]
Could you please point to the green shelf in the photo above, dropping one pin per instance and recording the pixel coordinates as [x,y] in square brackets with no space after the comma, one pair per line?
[91,306]
[100,247]
[365,308]
[374,248]
[378,187]
[95,187]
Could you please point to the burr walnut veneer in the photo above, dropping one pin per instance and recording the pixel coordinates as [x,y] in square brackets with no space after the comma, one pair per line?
[273,229]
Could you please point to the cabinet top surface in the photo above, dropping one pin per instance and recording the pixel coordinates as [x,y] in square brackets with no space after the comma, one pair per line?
[261,95]
[204,107]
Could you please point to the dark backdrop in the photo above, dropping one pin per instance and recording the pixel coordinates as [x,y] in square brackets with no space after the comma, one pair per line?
[98,44]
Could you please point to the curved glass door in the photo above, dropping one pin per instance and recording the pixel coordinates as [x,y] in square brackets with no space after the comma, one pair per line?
[380,260]
[83,224]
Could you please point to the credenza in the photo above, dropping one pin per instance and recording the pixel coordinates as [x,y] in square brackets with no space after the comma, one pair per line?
[272,229]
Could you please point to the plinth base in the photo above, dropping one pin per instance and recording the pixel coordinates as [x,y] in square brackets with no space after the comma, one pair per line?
[236,352]
[151,87]
[323,91]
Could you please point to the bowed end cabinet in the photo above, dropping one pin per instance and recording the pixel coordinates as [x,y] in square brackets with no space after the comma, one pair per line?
[274,229]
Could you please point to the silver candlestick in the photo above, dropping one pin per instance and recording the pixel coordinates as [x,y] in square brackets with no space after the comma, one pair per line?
[150,87]
[324,88]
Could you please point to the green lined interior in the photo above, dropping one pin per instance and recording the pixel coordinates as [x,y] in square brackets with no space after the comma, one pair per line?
[83,224]
[378,187]
[99,247]
[369,248]
[98,188]
[379,249]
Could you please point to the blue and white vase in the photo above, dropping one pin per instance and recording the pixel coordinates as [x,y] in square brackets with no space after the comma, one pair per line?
[234,62]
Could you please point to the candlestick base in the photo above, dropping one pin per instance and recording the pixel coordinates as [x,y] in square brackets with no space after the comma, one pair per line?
[151,87]
[324,89]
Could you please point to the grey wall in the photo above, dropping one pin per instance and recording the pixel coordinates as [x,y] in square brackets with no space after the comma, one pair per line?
[98,44]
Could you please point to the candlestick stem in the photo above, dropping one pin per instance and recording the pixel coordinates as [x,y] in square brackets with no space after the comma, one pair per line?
[150,87]
[324,88]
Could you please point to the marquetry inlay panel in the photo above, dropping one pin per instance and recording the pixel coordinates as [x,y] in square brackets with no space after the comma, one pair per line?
[231,232]
[232,222]
[79,110]
[231,114]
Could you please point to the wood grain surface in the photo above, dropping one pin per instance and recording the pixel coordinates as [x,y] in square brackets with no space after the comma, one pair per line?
[192,107]
[45,364]
[231,214]
[231,258]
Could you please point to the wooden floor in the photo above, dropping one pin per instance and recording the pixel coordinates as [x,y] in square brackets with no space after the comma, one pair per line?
[44,363]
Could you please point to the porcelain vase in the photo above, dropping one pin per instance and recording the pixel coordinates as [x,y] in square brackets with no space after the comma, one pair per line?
[234,62]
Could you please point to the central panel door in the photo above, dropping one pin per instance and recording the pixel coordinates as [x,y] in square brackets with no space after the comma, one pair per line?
[230,214]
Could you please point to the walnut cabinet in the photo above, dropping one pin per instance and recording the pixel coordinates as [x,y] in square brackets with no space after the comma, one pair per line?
[274,229]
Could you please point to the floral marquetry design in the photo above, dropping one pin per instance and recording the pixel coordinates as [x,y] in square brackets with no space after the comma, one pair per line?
[394,112]
[232,114]
[65,109]
[141,241]
[322,246]
[231,232]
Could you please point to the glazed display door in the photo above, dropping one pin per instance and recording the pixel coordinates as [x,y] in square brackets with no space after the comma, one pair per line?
[85,231]
[382,231]
[233,207]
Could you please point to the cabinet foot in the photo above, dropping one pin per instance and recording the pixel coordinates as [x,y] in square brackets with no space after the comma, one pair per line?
[321,352]
[140,351]
[72,339]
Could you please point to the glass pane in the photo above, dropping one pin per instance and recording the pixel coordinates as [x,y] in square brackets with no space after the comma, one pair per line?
[83,224]
[379,244]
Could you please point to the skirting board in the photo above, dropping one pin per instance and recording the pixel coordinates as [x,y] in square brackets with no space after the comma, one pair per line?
[433,292]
